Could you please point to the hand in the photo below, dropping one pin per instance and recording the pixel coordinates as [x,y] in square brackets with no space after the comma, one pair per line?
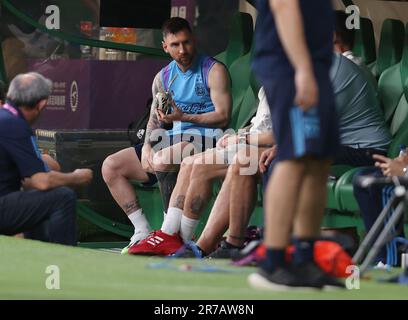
[147,158]
[307,91]
[226,140]
[83,176]
[390,167]
[266,158]
[176,115]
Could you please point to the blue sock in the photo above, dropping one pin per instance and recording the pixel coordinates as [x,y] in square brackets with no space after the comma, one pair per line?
[303,250]
[275,258]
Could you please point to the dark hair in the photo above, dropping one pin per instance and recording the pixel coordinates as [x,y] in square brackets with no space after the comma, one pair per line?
[344,34]
[2,91]
[174,25]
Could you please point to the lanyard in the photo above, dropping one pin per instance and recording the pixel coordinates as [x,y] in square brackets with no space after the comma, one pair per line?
[10,109]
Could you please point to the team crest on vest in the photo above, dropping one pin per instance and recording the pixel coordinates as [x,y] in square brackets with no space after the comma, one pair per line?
[200,89]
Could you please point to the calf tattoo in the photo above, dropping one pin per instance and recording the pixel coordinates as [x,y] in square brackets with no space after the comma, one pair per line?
[131,206]
[197,205]
[180,202]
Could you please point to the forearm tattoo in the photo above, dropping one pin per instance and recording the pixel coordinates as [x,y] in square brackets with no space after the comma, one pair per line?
[153,122]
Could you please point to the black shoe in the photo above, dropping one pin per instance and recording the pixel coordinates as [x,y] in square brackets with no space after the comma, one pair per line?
[247,250]
[282,279]
[225,251]
[189,250]
[311,272]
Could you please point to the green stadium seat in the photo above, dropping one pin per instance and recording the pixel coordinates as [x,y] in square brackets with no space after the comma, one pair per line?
[364,45]
[246,111]
[390,47]
[240,39]
[390,91]
[336,171]
[240,72]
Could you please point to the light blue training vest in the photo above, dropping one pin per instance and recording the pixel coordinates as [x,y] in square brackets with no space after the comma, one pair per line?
[190,92]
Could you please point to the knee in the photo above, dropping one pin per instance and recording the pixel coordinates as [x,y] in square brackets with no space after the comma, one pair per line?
[199,170]
[65,195]
[237,165]
[110,169]
[186,166]
[161,162]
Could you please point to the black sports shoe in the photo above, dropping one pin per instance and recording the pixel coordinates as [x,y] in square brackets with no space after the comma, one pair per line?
[225,251]
[189,253]
[282,279]
[311,272]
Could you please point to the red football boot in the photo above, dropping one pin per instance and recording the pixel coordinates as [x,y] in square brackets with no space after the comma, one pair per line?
[157,243]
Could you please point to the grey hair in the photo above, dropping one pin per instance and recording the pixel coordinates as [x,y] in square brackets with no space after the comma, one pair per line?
[27,89]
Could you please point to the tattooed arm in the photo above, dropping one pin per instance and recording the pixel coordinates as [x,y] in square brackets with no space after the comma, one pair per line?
[152,124]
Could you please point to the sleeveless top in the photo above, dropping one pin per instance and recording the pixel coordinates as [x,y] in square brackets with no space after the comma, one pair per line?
[190,92]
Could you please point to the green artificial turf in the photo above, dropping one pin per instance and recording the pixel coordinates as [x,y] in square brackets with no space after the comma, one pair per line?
[93,274]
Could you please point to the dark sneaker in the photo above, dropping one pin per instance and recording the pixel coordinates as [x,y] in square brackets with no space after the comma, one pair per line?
[157,243]
[311,272]
[282,279]
[225,251]
[190,252]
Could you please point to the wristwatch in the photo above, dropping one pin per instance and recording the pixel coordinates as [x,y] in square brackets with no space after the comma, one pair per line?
[405,170]
[242,138]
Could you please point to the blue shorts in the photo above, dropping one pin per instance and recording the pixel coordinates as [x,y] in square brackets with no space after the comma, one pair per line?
[298,133]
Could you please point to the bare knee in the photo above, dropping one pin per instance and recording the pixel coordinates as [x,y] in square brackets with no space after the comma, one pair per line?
[237,165]
[200,170]
[110,169]
[162,161]
[186,166]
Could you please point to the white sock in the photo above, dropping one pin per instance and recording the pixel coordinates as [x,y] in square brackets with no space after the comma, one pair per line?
[171,223]
[187,228]
[139,221]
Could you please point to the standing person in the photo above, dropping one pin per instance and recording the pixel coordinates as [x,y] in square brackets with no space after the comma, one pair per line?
[292,59]
[199,89]
[46,208]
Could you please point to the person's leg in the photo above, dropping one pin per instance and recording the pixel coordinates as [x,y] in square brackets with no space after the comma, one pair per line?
[370,202]
[309,213]
[242,175]
[242,197]
[166,164]
[167,241]
[281,203]
[117,169]
[308,218]
[171,223]
[50,215]
[205,170]
[218,219]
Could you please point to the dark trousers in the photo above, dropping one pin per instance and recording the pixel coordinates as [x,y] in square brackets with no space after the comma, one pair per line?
[41,215]
[356,157]
[371,201]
